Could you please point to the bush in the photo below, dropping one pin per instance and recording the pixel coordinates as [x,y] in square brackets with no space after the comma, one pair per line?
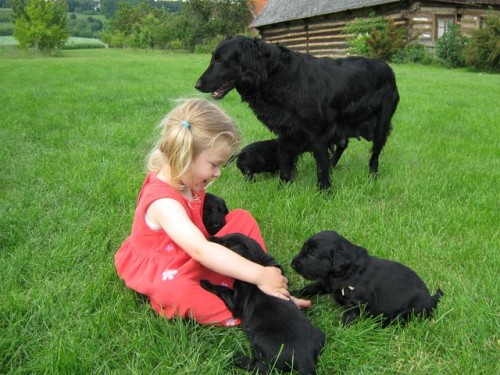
[375,37]
[87,27]
[209,45]
[483,49]
[384,43]
[414,53]
[358,45]
[449,48]
[117,39]
[359,30]
[6,29]
[175,44]
[89,45]
[5,16]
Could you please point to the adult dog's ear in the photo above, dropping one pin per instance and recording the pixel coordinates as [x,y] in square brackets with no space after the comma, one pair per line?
[341,261]
[251,55]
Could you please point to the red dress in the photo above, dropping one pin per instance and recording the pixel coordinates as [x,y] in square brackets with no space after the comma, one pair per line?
[152,264]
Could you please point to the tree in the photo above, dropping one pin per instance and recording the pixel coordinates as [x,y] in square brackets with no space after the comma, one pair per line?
[205,20]
[40,23]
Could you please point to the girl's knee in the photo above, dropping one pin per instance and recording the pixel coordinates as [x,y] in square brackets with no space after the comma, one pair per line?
[242,221]
[240,215]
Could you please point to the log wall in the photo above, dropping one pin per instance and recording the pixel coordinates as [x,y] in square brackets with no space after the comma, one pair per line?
[323,36]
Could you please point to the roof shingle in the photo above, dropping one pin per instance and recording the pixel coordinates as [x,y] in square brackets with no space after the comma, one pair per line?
[287,10]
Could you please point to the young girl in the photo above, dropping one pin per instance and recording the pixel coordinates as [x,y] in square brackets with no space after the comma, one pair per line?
[167,253]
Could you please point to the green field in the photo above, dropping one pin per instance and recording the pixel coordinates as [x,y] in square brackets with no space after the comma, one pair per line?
[75,131]
[10,41]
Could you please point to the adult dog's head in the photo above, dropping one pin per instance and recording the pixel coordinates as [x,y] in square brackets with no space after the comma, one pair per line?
[246,247]
[328,254]
[237,60]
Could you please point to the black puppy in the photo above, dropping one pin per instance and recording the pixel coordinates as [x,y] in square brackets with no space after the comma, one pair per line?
[259,157]
[359,281]
[279,332]
[263,156]
[214,213]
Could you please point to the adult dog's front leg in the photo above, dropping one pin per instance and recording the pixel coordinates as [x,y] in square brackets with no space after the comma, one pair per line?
[323,164]
[288,156]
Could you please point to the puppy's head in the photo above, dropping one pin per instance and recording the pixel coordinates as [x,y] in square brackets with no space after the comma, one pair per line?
[249,163]
[327,254]
[258,157]
[214,213]
[246,247]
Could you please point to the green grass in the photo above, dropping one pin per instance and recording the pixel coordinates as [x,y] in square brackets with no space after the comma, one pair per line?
[74,132]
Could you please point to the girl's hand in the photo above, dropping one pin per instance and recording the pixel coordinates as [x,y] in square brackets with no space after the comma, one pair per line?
[272,282]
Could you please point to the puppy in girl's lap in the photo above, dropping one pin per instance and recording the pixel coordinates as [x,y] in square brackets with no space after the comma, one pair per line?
[278,330]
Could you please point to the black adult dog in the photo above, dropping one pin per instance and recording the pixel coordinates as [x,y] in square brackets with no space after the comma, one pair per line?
[279,332]
[359,281]
[214,213]
[304,99]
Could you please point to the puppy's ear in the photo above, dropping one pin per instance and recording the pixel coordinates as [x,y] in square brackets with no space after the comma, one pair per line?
[231,159]
[341,261]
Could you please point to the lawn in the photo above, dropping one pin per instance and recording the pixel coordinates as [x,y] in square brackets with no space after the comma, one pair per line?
[75,131]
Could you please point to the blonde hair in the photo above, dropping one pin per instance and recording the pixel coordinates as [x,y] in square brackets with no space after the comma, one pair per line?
[189,129]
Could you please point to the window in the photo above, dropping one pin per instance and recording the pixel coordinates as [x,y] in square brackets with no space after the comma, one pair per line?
[482,22]
[443,25]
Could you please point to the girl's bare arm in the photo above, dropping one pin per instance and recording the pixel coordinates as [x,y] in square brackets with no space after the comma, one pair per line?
[172,217]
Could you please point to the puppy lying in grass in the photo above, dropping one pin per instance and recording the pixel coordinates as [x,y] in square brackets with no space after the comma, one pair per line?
[258,157]
[280,334]
[360,282]
[214,213]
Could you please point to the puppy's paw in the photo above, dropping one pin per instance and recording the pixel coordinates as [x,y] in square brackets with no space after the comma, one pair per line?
[242,361]
[207,285]
[248,364]
[349,317]
[313,289]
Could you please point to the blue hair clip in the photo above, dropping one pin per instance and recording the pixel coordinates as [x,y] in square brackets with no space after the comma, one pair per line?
[186,124]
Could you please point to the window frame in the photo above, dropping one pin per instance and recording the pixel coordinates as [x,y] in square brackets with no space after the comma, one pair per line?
[445,19]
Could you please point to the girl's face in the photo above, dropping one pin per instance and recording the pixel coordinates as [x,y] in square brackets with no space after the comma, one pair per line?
[206,167]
